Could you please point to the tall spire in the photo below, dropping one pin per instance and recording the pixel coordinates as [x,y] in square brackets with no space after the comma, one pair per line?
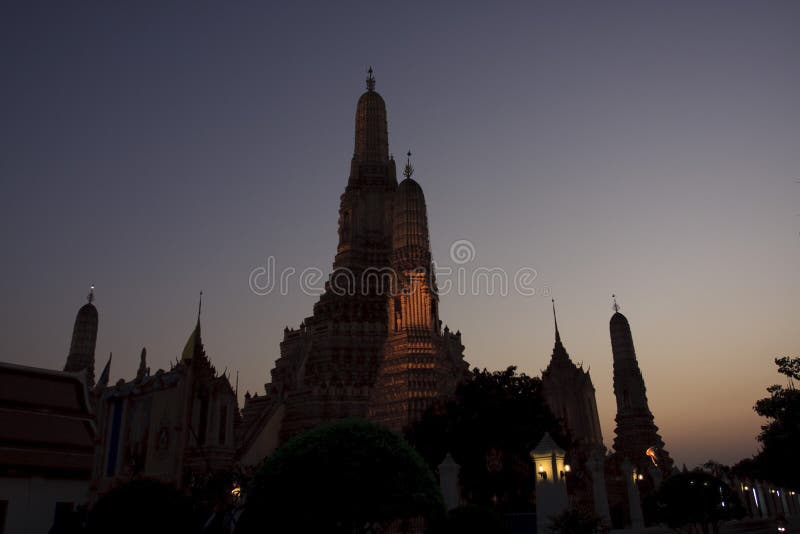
[194,345]
[636,431]
[84,339]
[569,393]
[555,322]
[372,136]
[410,236]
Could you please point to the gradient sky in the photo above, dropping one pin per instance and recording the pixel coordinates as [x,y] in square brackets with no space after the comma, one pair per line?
[648,149]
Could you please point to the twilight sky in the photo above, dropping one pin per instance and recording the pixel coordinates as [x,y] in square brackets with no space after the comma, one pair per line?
[648,149]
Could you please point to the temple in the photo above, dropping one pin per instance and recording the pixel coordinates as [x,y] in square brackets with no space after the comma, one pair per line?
[373,347]
[570,394]
[175,426]
[568,390]
[637,437]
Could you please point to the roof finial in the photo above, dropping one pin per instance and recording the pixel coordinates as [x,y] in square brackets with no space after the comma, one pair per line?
[555,321]
[409,170]
[615,306]
[200,306]
[370,80]
[90,297]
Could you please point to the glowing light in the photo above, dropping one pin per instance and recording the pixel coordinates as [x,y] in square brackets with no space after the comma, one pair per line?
[755,498]
[641,477]
[746,488]
[236,491]
[651,452]
[567,468]
[541,469]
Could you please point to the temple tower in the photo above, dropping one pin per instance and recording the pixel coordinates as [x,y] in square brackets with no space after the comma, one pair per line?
[637,437]
[373,345]
[84,338]
[417,367]
[570,394]
[329,365]
[364,225]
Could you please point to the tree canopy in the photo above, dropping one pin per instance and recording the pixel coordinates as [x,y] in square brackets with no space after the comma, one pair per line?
[490,427]
[780,437]
[341,477]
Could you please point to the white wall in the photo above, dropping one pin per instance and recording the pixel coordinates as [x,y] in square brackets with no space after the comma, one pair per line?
[32,501]
[267,441]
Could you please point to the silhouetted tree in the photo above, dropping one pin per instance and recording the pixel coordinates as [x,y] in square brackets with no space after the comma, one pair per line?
[696,502]
[490,427]
[142,507]
[780,437]
[348,477]
[715,468]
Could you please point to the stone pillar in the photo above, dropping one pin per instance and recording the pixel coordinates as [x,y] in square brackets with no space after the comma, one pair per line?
[634,502]
[597,468]
[784,505]
[763,507]
[551,487]
[744,492]
[448,481]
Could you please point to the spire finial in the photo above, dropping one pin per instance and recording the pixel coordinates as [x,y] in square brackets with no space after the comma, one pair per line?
[409,170]
[615,306]
[370,80]
[90,297]
[200,306]
[555,321]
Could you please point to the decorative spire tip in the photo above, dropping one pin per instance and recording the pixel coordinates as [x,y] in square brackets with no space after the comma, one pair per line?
[370,80]
[199,306]
[409,170]
[615,306]
[90,297]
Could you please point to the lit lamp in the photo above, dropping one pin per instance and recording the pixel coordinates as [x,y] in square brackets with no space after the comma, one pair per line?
[551,489]
[549,459]
[566,470]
